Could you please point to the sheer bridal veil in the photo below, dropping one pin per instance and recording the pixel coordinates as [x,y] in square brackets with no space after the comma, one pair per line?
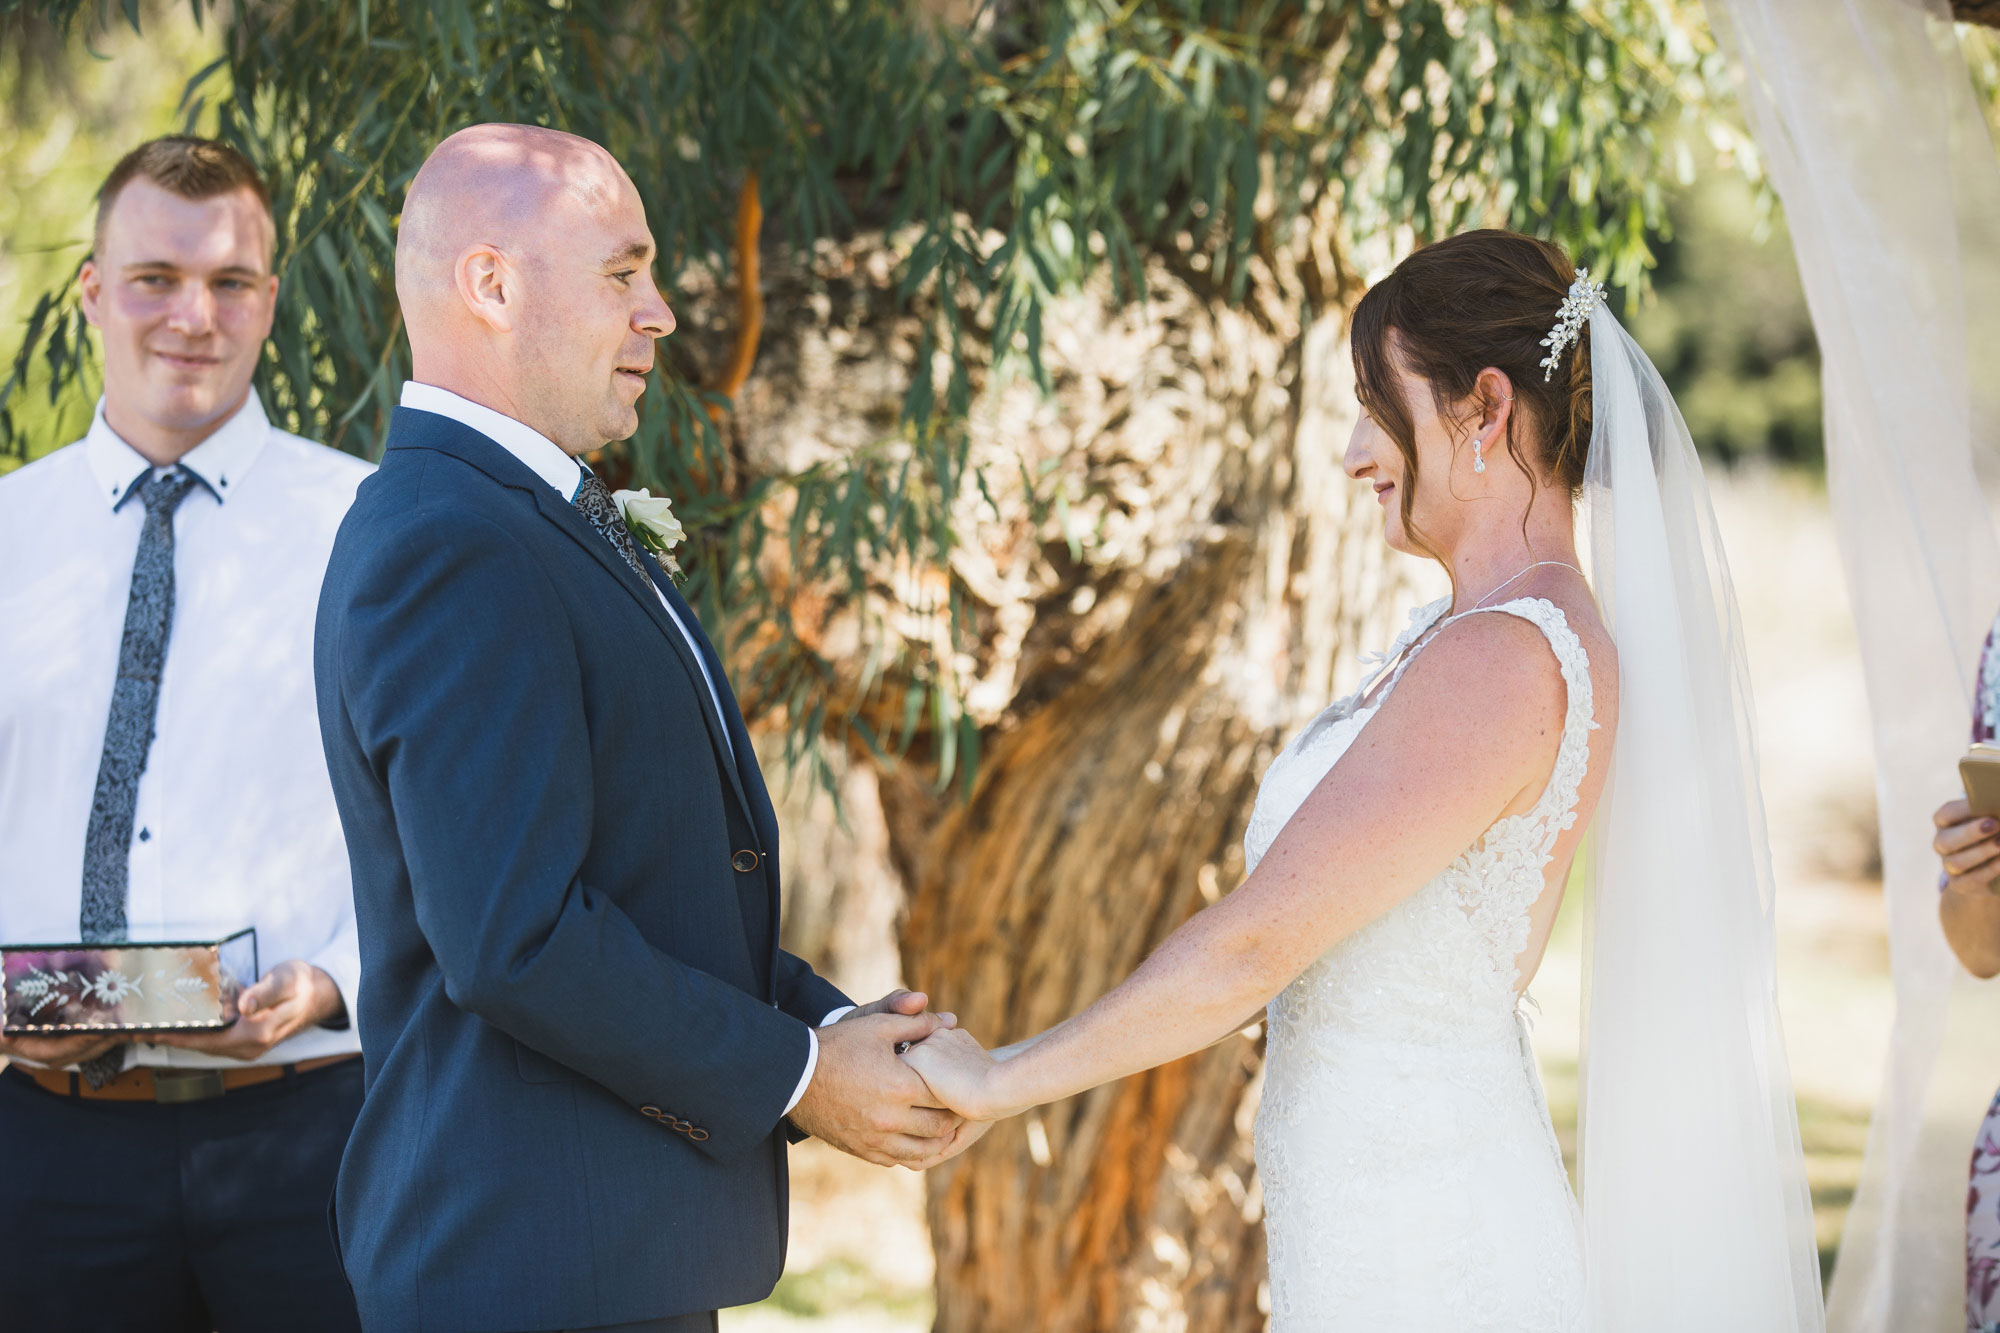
[1696,1213]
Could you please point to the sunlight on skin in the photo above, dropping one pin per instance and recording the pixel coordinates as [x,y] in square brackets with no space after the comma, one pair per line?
[182,296]
[524,269]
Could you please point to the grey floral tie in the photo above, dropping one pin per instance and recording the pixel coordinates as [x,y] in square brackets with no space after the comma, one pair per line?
[593,500]
[128,732]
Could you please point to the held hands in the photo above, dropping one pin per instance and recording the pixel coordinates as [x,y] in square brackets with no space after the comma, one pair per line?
[291,997]
[866,1102]
[960,1074]
[898,1002]
[1969,846]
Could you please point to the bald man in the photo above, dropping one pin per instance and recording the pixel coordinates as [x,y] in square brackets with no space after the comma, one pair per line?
[583,1046]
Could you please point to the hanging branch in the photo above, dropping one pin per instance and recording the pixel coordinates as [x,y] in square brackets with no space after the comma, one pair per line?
[749,293]
[992,169]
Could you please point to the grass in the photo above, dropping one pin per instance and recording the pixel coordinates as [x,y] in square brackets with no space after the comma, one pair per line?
[844,1285]
[841,1295]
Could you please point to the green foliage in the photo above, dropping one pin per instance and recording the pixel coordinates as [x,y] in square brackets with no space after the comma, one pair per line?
[1982,60]
[1042,148]
[1728,327]
[70,106]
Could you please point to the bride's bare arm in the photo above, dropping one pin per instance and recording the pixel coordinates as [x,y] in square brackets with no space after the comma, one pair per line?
[1470,732]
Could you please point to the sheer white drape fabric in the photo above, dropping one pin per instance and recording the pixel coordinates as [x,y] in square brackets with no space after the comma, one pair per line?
[1869,129]
[1695,1208]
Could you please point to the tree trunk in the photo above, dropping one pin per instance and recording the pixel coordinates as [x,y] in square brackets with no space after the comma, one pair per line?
[1129,701]
[1098,825]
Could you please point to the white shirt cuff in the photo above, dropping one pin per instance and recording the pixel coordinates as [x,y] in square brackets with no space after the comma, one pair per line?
[812,1054]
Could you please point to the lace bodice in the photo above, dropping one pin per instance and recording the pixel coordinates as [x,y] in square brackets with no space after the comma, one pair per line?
[1411,1177]
[1441,963]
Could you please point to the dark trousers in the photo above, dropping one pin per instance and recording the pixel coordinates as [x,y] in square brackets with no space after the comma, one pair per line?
[703,1322]
[143,1218]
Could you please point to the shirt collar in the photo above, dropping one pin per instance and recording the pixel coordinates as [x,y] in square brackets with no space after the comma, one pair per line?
[219,462]
[536,451]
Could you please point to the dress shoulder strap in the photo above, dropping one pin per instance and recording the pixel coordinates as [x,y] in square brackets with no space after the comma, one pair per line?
[1557,807]
[1404,650]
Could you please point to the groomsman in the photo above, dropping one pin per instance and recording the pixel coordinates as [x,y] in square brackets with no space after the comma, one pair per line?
[161,778]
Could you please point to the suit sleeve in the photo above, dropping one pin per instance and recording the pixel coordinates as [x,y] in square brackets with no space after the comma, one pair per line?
[340,959]
[462,688]
[804,993]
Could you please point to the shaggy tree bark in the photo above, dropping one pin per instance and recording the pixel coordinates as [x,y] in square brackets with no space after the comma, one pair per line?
[1130,689]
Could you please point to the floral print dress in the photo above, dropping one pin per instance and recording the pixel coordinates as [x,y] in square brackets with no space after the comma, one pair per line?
[1982,1196]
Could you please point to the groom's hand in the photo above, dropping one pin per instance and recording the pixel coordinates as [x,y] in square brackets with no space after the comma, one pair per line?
[897,1002]
[865,1101]
[968,1133]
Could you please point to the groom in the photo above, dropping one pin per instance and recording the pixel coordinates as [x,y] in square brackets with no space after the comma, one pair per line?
[582,1041]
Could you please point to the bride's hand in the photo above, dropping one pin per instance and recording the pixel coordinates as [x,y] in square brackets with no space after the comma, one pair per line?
[959,1072]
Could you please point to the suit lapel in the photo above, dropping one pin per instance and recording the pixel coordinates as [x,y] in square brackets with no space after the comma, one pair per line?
[470,446]
[731,756]
[564,515]
[727,736]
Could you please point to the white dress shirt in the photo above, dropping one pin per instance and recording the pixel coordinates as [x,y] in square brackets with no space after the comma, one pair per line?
[235,823]
[545,458]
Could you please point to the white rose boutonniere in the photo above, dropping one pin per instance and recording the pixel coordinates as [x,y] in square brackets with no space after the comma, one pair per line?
[650,519]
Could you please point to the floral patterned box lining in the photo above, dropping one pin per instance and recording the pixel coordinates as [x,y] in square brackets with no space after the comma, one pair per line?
[47,988]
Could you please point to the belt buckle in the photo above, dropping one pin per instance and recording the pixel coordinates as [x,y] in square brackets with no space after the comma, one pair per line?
[172,1086]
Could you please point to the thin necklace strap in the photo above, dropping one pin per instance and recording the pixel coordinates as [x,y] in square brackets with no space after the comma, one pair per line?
[1520,574]
[1390,670]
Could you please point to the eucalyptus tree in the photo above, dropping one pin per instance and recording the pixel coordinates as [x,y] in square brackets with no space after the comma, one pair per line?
[1006,418]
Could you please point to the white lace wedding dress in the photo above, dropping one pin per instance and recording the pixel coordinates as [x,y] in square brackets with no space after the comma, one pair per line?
[1411,1177]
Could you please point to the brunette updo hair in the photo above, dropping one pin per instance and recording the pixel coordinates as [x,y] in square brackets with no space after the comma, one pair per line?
[1453,308]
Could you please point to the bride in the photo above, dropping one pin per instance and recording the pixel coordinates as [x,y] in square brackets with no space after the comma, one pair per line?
[1408,852]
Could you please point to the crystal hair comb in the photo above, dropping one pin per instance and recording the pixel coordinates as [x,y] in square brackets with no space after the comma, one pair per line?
[1576,307]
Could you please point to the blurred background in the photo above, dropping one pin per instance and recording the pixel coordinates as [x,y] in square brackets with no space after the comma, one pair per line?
[1009,400]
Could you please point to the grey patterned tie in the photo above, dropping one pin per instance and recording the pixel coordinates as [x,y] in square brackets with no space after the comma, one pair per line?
[593,500]
[128,732]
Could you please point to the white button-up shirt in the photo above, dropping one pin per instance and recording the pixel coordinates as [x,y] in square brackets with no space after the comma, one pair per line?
[235,824]
[546,459]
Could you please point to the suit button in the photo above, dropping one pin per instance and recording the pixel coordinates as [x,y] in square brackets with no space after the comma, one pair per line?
[744,861]
[698,1135]
[652,1112]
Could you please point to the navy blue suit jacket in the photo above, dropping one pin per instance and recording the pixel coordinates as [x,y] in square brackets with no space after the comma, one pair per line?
[579,1031]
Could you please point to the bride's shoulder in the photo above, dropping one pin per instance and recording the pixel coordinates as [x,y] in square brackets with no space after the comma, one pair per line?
[1488,667]
[1510,666]
[1576,620]
[1569,617]
[1482,706]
